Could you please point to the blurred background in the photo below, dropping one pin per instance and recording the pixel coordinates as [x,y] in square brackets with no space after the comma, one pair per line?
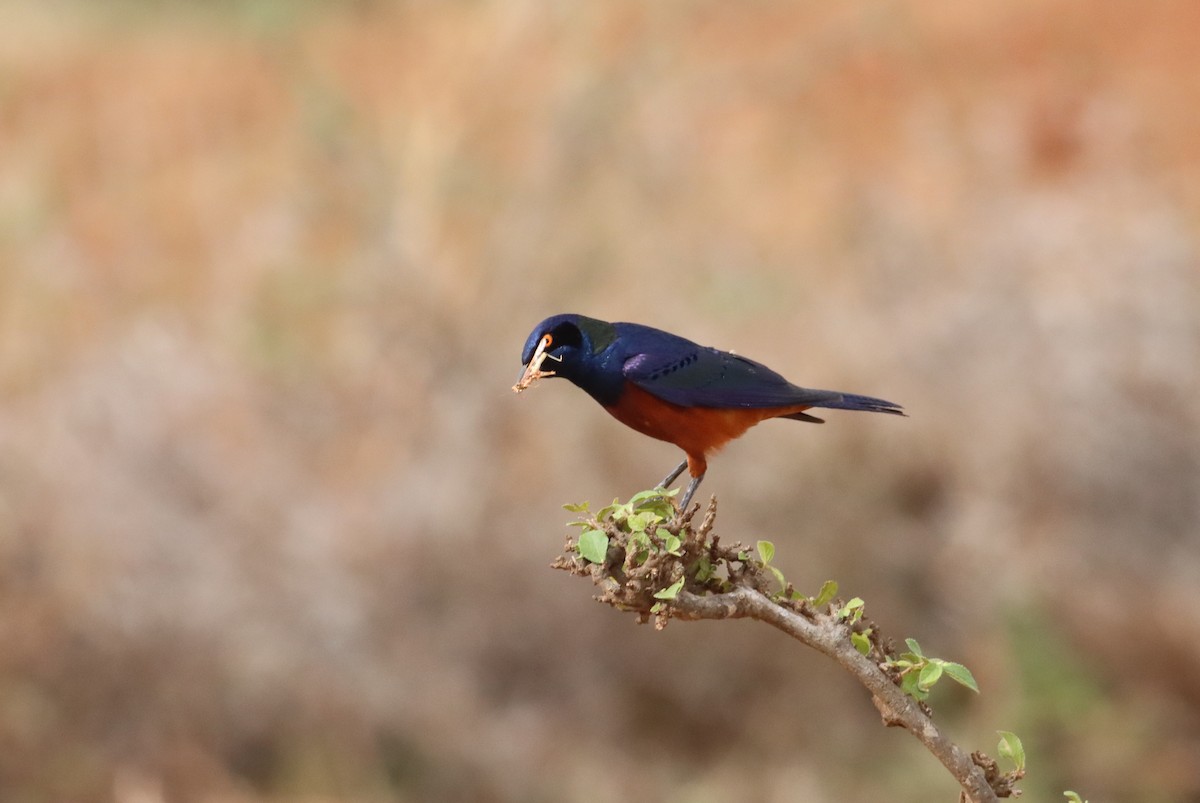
[274,528]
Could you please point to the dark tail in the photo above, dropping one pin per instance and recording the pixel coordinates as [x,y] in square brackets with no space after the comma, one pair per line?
[850,401]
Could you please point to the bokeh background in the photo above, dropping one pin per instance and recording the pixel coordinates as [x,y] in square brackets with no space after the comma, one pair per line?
[273,528]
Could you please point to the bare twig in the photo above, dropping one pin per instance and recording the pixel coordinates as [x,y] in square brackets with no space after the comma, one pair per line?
[723,582]
[825,633]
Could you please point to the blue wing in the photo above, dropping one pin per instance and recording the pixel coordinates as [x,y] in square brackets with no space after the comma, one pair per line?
[681,372]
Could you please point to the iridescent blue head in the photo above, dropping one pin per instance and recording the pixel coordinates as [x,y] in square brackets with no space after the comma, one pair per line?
[573,347]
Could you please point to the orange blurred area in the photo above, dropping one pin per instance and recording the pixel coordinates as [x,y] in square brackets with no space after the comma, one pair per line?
[273,528]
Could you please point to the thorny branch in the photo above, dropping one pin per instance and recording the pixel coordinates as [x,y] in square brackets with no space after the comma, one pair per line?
[723,582]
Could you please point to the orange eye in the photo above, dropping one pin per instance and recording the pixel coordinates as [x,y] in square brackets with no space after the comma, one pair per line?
[546,341]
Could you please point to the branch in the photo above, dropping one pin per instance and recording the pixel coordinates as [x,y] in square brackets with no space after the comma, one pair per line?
[827,634]
[670,570]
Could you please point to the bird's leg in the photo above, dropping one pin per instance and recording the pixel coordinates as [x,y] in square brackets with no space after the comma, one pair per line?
[674,475]
[687,495]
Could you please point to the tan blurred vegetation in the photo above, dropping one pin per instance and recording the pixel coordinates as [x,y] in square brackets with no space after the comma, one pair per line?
[273,528]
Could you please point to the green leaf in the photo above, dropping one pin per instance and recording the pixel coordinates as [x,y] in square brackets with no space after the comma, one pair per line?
[930,674]
[852,609]
[766,551]
[961,674]
[1073,797]
[908,685]
[826,594]
[914,647]
[638,522]
[704,569]
[862,641]
[671,591]
[593,545]
[582,507]
[608,511]
[653,493]
[1010,747]
[779,578]
[641,496]
[638,546]
[672,543]
[659,509]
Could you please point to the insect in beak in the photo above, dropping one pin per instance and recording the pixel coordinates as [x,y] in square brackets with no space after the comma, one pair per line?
[533,372]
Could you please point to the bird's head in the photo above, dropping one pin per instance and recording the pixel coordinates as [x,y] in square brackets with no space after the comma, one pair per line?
[563,345]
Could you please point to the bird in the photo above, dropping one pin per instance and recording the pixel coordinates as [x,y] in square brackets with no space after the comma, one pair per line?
[670,388]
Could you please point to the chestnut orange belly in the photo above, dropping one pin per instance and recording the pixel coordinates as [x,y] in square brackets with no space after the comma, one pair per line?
[697,430]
